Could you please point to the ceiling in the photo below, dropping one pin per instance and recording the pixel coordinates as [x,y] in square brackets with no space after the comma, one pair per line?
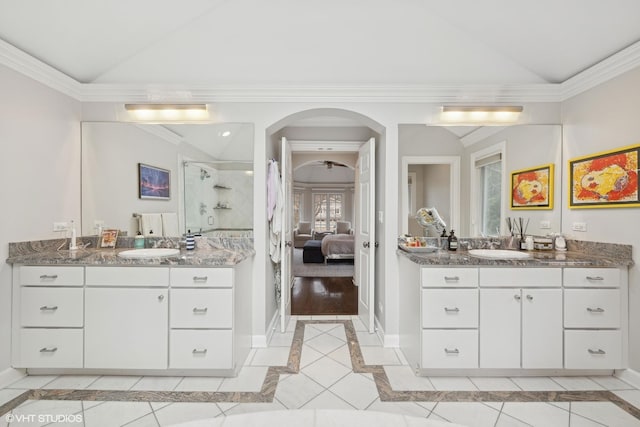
[284,43]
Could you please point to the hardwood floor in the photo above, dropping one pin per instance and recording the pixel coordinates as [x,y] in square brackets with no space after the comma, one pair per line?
[324,295]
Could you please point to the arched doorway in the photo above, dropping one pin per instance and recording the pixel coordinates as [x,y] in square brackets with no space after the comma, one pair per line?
[332,130]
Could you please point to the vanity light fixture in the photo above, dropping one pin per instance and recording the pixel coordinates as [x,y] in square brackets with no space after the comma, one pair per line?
[480,114]
[168,112]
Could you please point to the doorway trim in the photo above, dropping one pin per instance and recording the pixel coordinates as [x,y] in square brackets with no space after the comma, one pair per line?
[454,179]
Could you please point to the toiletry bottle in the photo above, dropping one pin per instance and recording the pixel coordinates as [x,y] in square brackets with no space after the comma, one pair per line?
[72,242]
[190,241]
[443,242]
[453,241]
[529,243]
[138,241]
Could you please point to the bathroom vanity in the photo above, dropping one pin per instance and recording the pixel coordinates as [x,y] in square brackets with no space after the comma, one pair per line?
[549,313]
[93,311]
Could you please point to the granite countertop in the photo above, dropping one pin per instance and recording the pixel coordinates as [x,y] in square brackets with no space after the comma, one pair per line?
[212,252]
[579,254]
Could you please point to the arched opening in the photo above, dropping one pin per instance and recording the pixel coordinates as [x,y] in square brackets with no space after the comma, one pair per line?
[330,140]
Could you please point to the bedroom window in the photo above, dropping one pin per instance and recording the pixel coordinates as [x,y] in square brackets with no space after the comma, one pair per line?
[327,209]
[298,207]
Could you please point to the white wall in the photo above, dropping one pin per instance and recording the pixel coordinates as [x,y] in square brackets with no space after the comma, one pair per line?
[601,119]
[39,171]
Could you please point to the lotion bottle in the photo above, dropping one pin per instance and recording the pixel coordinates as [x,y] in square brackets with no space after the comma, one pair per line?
[73,245]
[453,241]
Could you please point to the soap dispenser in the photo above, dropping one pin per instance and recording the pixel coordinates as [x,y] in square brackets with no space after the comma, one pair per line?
[138,241]
[453,241]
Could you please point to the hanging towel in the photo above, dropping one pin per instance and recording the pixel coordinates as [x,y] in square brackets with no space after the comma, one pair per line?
[151,222]
[170,224]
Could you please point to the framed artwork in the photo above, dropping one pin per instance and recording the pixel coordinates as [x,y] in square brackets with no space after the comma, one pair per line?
[108,238]
[153,182]
[605,180]
[532,188]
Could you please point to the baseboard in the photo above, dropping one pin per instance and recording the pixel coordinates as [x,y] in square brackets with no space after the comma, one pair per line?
[629,376]
[261,341]
[388,340]
[10,375]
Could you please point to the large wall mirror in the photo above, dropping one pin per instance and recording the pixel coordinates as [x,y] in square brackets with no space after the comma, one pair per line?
[209,170]
[428,157]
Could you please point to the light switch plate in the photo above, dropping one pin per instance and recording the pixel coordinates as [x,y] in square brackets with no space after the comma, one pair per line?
[60,226]
[579,226]
[545,225]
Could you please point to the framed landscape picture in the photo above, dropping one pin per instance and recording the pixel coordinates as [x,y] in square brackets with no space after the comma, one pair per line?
[153,182]
[605,180]
[532,188]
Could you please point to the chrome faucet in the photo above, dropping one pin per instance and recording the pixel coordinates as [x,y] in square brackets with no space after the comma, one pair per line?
[494,244]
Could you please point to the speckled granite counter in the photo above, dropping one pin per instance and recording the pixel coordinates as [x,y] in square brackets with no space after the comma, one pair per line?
[580,254]
[211,252]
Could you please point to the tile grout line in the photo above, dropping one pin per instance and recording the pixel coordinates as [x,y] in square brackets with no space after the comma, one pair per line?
[267,392]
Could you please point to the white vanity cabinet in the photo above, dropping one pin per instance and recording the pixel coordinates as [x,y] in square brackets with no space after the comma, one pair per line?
[49,320]
[520,327]
[202,306]
[512,319]
[595,314]
[102,319]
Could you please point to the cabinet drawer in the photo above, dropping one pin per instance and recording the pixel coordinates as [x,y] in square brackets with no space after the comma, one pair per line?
[51,307]
[449,277]
[449,308]
[50,348]
[521,277]
[592,277]
[449,349]
[592,308]
[592,349]
[202,277]
[201,349]
[51,276]
[128,276]
[201,308]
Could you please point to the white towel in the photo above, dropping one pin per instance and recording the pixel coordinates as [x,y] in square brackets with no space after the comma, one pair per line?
[151,222]
[170,224]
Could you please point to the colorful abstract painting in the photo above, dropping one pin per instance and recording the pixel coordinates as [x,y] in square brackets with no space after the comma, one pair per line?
[607,179]
[532,188]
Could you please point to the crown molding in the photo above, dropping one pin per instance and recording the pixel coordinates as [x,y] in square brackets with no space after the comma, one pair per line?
[607,69]
[37,70]
[380,94]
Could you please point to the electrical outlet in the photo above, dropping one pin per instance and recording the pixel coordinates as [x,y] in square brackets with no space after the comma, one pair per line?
[579,226]
[60,226]
[545,225]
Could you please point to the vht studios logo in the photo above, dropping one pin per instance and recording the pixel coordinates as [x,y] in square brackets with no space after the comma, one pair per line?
[43,418]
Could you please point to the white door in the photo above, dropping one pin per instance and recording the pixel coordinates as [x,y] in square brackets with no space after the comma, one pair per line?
[542,328]
[286,243]
[366,233]
[500,328]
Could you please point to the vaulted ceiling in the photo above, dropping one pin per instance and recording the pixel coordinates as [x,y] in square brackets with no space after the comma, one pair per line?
[329,42]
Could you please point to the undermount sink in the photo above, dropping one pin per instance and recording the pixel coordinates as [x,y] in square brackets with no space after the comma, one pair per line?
[149,253]
[498,254]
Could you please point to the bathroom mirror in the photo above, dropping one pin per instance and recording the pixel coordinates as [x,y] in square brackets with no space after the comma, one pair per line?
[113,151]
[427,155]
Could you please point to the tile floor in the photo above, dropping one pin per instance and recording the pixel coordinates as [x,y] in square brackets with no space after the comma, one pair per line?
[331,373]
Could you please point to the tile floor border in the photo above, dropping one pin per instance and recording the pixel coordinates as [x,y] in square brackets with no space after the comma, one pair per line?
[270,384]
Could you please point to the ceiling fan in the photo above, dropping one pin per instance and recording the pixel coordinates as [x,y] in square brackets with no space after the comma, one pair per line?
[330,164]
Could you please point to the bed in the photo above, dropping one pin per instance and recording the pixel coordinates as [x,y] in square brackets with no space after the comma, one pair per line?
[338,246]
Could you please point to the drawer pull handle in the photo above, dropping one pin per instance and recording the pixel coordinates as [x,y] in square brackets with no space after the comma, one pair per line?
[196,351]
[48,350]
[595,310]
[530,298]
[47,308]
[200,278]
[595,278]
[451,351]
[598,351]
[49,277]
[160,297]
[197,310]
[451,278]
[451,310]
